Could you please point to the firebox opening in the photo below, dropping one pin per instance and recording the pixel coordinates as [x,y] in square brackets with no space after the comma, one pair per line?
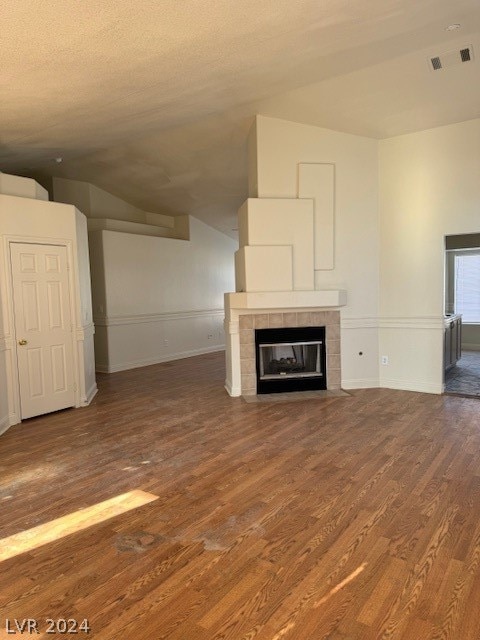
[290,359]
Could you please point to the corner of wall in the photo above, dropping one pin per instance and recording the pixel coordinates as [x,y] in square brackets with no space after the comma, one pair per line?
[75,192]
[4,424]
[182,227]
[252,151]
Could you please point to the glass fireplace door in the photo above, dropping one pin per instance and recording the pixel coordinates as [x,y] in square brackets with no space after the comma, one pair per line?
[290,359]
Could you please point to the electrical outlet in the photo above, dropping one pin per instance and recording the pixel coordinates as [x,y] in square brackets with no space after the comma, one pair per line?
[165,343]
[384,359]
[210,336]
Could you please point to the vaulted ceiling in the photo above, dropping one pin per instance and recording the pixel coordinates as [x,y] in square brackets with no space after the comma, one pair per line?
[152,100]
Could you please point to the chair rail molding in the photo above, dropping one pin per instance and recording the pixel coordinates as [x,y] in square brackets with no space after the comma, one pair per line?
[146,318]
[393,322]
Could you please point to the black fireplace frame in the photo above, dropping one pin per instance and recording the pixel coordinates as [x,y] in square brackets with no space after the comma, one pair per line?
[291,334]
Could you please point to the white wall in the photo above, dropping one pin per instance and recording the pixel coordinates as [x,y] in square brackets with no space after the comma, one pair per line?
[429,188]
[4,408]
[282,146]
[265,224]
[74,192]
[157,299]
[11,185]
[142,315]
[85,326]
[252,160]
[471,337]
[26,219]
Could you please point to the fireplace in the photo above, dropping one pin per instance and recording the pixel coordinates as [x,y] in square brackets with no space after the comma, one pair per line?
[290,359]
[241,350]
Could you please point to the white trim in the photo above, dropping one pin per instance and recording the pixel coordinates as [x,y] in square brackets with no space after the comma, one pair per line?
[361,383]
[412,385]
[85,332]
[135,364]
[234,392]
[112,321]
[393,322]
[412,322]
[4,424]
[14,419]
[91,393]
[359,323]
[231,327]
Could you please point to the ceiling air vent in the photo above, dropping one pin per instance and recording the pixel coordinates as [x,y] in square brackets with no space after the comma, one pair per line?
[450,58]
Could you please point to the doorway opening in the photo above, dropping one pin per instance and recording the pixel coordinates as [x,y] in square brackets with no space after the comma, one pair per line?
[462,315]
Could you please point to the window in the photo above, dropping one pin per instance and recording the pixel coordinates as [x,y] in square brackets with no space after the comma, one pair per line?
[467,285]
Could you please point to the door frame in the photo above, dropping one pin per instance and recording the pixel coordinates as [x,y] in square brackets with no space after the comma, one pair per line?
[6,284]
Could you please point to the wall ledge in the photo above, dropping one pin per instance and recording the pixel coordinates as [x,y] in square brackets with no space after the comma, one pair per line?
[132,227]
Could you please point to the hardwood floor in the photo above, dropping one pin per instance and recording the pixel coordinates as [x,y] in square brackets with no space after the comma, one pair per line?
[340,518]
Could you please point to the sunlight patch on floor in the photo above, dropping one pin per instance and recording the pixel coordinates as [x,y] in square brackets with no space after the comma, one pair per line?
[72,523]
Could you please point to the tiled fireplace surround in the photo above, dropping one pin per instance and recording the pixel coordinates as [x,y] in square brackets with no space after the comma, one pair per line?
[249,322]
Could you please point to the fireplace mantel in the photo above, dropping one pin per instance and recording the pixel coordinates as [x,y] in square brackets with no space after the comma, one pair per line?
[286,299]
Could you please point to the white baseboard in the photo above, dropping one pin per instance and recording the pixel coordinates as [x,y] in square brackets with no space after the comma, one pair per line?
[136,364]
[361,383]
[234,392]
[412,385]
[466,346]
[91,393]
[4,424]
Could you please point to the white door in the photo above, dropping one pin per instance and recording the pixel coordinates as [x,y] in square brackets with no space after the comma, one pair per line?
[43,327]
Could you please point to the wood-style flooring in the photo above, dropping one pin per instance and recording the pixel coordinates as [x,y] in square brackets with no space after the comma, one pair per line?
[339,518]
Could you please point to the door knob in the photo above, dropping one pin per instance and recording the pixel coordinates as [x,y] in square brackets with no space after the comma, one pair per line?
[22,342]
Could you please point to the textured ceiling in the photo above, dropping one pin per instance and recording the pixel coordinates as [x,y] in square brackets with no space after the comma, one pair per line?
[151,100]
